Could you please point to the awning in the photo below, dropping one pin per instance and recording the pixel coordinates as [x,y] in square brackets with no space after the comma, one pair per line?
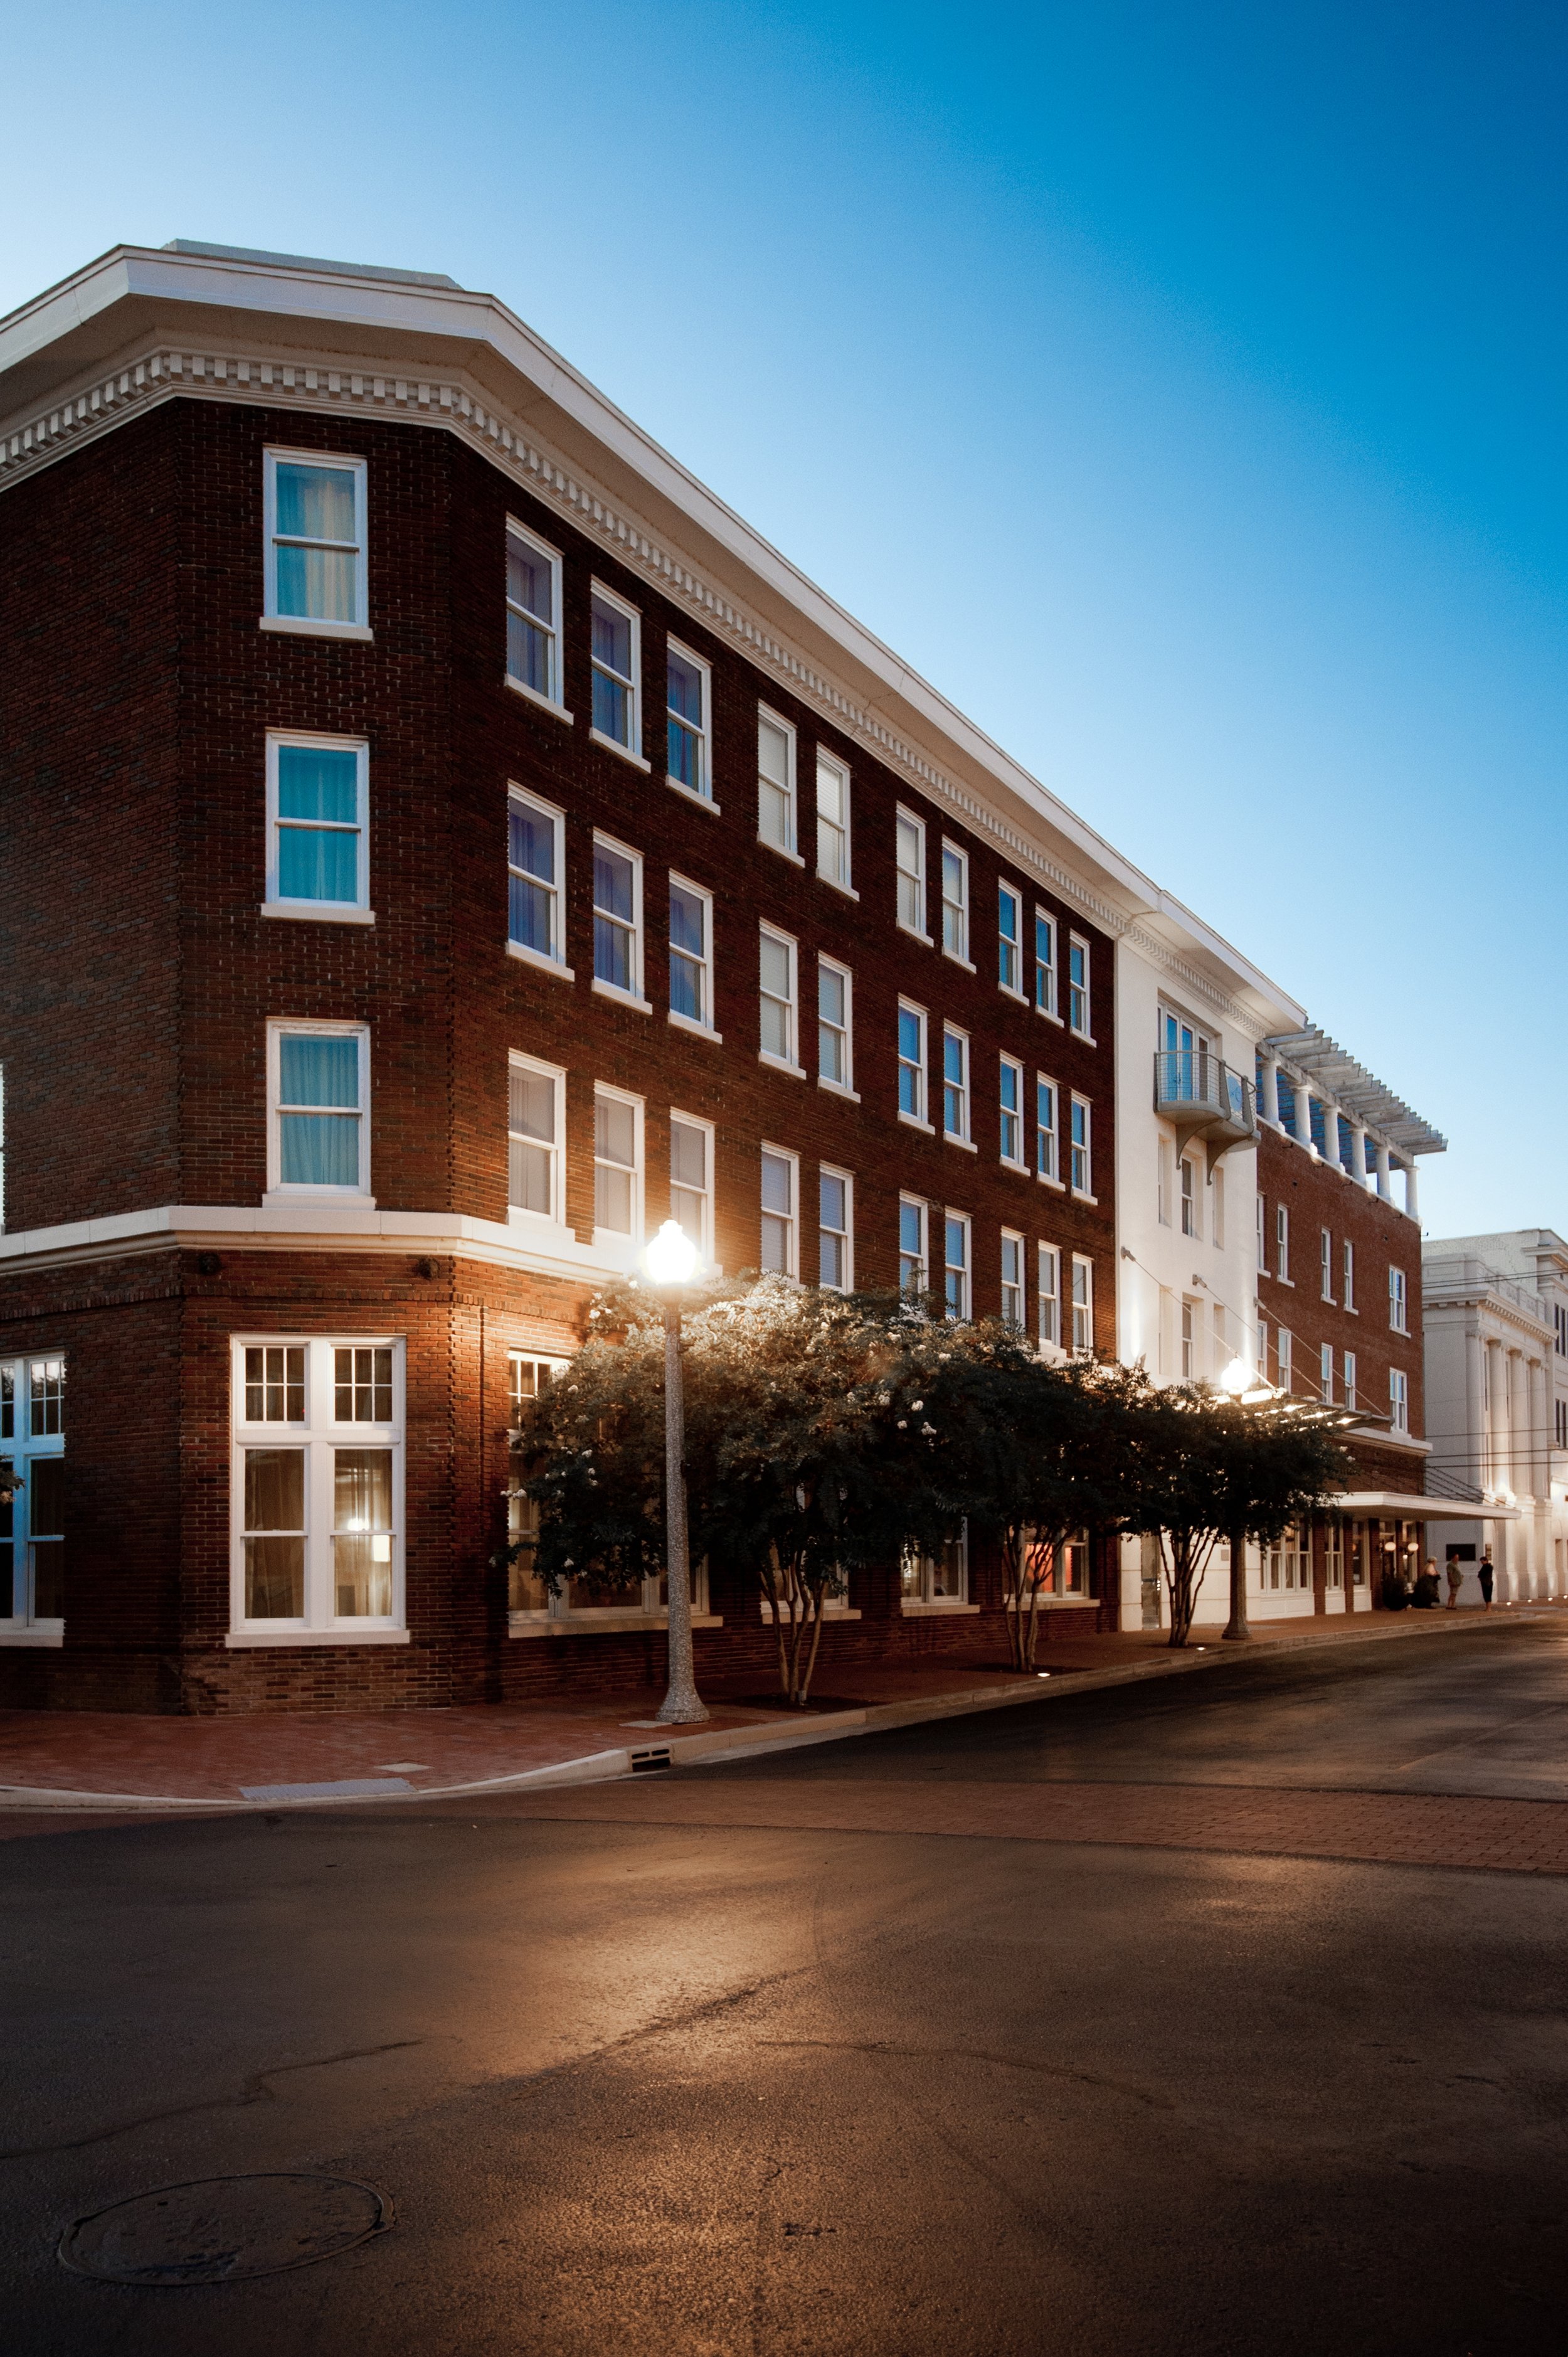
[1394,1505]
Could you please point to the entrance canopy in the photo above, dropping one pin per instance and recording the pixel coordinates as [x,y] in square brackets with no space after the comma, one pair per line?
[1393,1505]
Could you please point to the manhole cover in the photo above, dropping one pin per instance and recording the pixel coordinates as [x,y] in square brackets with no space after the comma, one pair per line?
[224,2228]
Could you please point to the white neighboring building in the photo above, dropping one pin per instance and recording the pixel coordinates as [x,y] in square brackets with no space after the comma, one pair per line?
[1496,1399]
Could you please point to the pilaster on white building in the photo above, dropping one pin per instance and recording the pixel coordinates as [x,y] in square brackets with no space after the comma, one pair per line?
[1496,1394]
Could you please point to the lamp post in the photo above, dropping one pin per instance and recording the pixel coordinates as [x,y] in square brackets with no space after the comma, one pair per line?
[672,1261]
[1239,1383]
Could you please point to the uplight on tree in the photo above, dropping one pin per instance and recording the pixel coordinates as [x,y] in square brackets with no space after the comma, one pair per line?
[672,1258]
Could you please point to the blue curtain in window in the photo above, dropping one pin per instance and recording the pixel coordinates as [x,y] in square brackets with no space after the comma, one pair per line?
[318,1070]
[320,1150]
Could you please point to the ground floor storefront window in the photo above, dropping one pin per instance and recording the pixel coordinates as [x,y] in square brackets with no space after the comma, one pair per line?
[32,1498]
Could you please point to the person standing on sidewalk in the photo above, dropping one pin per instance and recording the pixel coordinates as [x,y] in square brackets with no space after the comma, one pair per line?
[1455,1582]
[1484,1573]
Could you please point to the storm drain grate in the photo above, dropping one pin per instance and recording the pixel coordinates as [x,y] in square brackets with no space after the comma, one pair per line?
[656,1756]
[223,2230]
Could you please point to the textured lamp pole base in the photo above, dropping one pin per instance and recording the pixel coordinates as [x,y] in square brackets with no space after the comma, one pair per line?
[1236,1627]
[683,1705]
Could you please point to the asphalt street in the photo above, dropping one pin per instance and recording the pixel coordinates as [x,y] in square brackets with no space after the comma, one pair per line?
[706,2089]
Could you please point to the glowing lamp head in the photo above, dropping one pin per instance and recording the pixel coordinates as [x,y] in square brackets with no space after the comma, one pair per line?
[672,1258]
[1237,1378]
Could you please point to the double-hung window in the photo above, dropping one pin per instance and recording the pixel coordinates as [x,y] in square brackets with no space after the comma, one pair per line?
[835,1230]
[1045,962]
[776,1001]
[835,1038]
[617,654]
[1046,1116]
[955,1085]
[1398,1301]
[1049,1295]
[941,1580]
[1399,1399]
[912,1250]
[1012,1279]
[910,855]
[911,1062]
[775,784]
[1262,1248]
[692,1179]
[536,838]
[1284,1350]
[1348,1276]
[1326,1264]
[317,1485]
[689,701]
[617,918]
[1078,1006]
[1082,1306]
[1282,1242]
[956,1263]
[780,1192]
[1189,1341]
[1325,1373]
[1188,1196]
[1010,939]
[690,955]
[536,1138]
[1350,1379]
[32,1499]
[315,569]
[1010,1085]
[832,821]
[617,1167]
[319,1108]
[533,615]
[1082,1167]
[317,826]
[955,902]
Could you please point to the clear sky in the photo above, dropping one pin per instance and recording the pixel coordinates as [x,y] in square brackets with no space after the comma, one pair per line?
[1180,388]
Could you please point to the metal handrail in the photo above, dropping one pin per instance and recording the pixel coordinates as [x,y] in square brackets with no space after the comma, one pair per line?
[1196,1076]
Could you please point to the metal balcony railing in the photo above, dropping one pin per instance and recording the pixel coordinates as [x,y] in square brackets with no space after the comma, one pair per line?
[1199,1094]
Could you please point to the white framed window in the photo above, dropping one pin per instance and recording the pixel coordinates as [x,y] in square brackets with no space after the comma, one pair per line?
[912,1062]
[1398,1302]
[318,818]
[1216,1207]
[536,1139]
[909,852]
[1334,1551]
[936,1580]
[617,918]
[1282,1242]
[956,1264]
[617,1167]
[1285,1348]
[1189,1223]
[1262,1246]
[690,955]
[1188,1341]
[780,1199]
[955,1084]
[1045,963]
[1399,1399]
[835,1026]
[1347,1275]
[1010,1091]
[1082,1304]
[692,1179]
[835,1230]
[1083,1172]
[1049,1295]
[1350,1364]
[1047,1114]
[778,1003]
[1012,1297]
[955,902]
[319,1108]
[533,615]
[1078,1010]
[32,1498]
[317,1492]
[536,876]
[688,697]
[1325,1373]
[775,784]
[1326,1264]
[316,570]
[1010,939]
[1263,1348]
[832,821]
[616,647]
[913,1257]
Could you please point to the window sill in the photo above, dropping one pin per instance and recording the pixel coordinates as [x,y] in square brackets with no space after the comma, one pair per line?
[1019,1169]
[909,934]
[698,1030]
[54,1637]
[953,958]
[781,852]
[912,1606]
[1087,1037]
[621,997]
[1059,1185]
[778,1064]
[545,702]
[1018,997]
[1276,1279]
[607,1621]
[1049,1015]
[1080,1195]
[837,1089]
[278,1198]
[690,794]
[848,890]
[831,1612]
[598,736]
[535,1224]
[320,912]
[526,956]
[293,625]
[250,1641]
[913,1120]
[968,1144]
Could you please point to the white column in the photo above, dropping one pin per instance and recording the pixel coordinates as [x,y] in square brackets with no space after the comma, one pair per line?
[1304,1116]
[1411,1202]
[1331,1133]
[1382,1154]
[1475,1411]
[1540,1463]
[1358,1152]
[1269,1110]
[1518,1426]
[1496,1477]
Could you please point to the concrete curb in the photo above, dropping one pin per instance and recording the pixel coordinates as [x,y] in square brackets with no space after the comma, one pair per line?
[749,1743]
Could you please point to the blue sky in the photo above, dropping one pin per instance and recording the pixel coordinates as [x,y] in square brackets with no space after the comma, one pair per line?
[1181,389]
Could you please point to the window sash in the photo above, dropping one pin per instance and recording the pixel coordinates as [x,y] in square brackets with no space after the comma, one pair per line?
[535,862]
[1083,1172]
[1013,1292]
[315,579]
[617,1166]
[835,1229]
[615,649]
[909,853]
[536,1097]
[775,782]
[1048,1291]
[316,858]
[617,917]
[956,1264]
[32,1527]
[317,1498]
[912,1061]
[687,694]
[692,1179]
[776,998]
[834,1037]
[955,1084]
[318,1136]
[913,1259]
[532,614]
[690,953]
[1010,1087]
[1009,939]
[833,821]
[1082,1304]
[780,1205]
[1045,962]
[955,902]
[1078,986]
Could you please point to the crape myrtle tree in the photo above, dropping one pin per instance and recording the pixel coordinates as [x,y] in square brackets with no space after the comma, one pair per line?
[1202,1467]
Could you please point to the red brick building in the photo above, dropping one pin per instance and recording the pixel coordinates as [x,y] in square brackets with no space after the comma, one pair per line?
[445,842]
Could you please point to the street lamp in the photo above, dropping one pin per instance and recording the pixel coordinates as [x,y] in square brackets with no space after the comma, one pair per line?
[1240,1384]
[672,1261]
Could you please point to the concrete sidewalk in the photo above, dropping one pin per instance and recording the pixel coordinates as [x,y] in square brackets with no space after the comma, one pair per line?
[114,1760]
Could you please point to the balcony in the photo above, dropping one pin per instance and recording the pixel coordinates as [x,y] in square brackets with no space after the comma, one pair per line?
[1203,1098]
